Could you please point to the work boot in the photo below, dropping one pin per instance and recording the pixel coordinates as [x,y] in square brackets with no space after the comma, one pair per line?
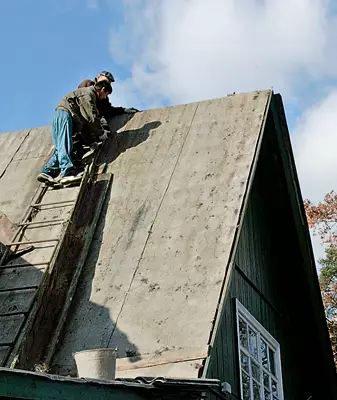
[69,177]
[45,178]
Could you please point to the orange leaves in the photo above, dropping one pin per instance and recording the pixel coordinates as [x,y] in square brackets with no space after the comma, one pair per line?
[322,218]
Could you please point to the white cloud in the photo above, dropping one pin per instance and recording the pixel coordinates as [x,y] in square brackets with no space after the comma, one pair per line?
[93,4]
[188,50]
[315,146]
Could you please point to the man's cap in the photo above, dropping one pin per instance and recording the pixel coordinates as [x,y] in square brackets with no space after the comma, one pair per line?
[108,75]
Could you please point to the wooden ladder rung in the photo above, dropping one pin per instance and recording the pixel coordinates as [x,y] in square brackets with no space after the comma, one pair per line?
[31,242]
[9,314]
[52,204]
[18,289]
[43,222]
[24,265]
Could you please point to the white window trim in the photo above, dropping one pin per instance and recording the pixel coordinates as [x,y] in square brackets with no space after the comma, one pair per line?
[240,309]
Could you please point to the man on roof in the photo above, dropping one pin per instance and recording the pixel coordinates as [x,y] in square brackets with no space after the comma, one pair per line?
[76,112]
[105,109]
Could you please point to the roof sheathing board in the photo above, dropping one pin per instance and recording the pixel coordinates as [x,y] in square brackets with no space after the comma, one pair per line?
[159,257]
[174,294]
[25,153]
[9,145]
[141,176]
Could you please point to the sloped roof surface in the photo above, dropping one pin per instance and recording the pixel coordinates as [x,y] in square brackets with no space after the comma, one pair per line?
[153,278]
[152,281]
[22,155]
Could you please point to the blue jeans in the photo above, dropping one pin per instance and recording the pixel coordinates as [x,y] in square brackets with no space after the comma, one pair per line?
[61,133]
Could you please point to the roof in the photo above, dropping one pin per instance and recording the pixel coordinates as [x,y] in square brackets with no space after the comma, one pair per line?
[153,278]
[152,281]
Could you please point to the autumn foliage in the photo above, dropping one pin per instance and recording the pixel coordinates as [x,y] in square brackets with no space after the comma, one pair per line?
[322,218]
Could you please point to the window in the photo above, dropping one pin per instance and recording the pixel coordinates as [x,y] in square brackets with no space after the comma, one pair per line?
[260,363]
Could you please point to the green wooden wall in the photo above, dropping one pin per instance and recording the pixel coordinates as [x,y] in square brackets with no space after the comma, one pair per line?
[15,384]
[269,280]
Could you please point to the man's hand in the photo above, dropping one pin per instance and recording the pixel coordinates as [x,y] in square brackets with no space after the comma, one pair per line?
[104,124]
[105,135]
[130,110]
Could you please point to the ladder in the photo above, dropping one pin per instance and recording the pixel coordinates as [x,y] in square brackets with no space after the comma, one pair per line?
[40,267]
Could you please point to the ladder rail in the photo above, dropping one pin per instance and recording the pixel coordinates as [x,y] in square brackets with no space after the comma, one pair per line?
[26,219]
[21,347]
[38,196]
[14,356]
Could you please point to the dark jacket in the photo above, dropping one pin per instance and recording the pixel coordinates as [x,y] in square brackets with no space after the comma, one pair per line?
[81,104]
[104,106]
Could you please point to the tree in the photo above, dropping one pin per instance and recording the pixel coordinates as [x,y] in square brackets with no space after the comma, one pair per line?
[328,285]
[322,218]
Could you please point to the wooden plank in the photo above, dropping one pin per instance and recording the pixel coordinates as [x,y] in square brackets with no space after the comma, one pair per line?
[190,242]
[166,357]
[32,345]
[69,195]
[241,211]
[51,221]
[10,327]
[38,195]
[17,384]
[6,228]
[18,278]
[16,301]
[4,351]
[13,265]
[26,337]
[97,200]
[141,174]
[38,143]
[6,233]
[183,369]
[63,203]
[9,145]
[19,187]
[33,241]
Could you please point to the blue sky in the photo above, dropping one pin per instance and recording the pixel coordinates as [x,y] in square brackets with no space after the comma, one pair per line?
[47,48]
[56,44]
[176,51]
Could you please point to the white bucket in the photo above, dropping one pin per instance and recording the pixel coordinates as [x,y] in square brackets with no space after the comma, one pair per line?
[96,363]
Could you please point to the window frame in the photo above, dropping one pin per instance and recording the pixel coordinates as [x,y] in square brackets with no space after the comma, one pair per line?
[240,310]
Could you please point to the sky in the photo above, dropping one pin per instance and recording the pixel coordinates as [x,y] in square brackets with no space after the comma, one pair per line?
[167,52]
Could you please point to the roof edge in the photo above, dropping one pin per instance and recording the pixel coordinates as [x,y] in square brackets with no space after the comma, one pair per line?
[15,383]
[229,268]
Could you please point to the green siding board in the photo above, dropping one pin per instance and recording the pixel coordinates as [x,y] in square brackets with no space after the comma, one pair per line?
[19,384]
[25,386]
[271,285]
